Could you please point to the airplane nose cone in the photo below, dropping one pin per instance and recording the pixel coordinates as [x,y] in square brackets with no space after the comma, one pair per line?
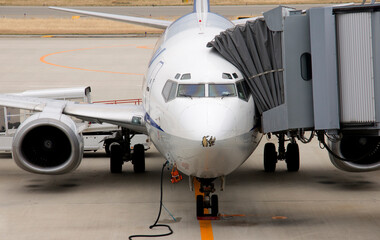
[208,119]
[208,141]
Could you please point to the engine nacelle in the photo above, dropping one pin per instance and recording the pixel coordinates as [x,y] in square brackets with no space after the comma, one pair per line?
[48,143]
[356,147]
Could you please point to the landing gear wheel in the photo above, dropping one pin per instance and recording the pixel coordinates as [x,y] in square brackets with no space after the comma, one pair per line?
[270,157]
[107,146]
[292,157]
[116,159]
[214,205]
[107,149]
[138,158]
[200,209]
[108,152]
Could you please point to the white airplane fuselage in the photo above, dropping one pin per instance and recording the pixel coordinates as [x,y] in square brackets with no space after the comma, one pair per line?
[196,112]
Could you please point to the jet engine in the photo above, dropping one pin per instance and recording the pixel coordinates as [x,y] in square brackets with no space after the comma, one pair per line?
[362,154]
[48,143]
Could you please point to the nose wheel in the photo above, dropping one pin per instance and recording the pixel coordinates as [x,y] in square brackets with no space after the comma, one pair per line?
[207,204]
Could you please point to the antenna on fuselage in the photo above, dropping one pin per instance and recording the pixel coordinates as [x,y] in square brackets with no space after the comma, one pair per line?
[202,7]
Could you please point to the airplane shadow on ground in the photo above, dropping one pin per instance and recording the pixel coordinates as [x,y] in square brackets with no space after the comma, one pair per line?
[320,178]
[89,175]
[245,177]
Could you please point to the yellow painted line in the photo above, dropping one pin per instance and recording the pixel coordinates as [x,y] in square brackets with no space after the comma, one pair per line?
[206,230]
[205,225]
[43,59]
[47,36]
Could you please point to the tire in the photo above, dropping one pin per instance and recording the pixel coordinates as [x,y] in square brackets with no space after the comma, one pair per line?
[214,205]
[200,209]
[116,159]
[107,145]
[270,157]
[292,157]
[138,158]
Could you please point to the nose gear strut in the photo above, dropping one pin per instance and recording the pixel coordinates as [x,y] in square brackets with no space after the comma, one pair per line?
[207,204]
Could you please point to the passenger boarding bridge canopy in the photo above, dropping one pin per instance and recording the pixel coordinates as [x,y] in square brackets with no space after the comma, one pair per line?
[311,70]
[256,52]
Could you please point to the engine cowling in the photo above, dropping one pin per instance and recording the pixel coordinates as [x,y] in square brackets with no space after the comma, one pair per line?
[48,144]
[356,147]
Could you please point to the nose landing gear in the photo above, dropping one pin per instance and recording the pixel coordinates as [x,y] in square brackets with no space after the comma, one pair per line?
[207,204]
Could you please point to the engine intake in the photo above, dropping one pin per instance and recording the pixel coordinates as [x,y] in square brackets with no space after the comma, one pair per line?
[48,144]
[356,147]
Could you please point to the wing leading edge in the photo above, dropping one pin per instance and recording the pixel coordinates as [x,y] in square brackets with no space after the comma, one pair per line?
[155,23]
[129,116]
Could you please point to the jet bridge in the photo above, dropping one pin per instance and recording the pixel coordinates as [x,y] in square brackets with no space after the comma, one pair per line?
[314,70]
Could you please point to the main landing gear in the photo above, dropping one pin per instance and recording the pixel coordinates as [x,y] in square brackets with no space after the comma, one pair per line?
[207,204]
[119,149]
[291,155]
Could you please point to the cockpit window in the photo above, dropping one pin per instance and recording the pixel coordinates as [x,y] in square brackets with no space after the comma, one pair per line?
[169,90]
[242,89]
[191,90]
[177,76]
[221,90]
[226,76]
[186,76]
[173,91]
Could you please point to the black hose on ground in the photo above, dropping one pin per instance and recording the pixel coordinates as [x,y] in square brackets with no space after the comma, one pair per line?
[159,214]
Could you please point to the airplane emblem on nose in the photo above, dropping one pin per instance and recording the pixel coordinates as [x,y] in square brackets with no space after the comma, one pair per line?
[208,141]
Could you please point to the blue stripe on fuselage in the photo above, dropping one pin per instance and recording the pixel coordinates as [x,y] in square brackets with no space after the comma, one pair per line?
[151,122]
[156,54]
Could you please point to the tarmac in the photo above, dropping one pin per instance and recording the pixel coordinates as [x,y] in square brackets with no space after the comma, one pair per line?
[318,202]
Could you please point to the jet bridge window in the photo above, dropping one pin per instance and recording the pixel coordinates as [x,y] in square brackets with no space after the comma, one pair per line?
[169,90]
[191,90]
[221,90]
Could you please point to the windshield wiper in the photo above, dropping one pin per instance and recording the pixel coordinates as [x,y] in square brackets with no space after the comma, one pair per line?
[186,95]
[227,95]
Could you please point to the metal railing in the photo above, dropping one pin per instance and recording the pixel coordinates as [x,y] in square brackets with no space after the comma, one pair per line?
[136,101]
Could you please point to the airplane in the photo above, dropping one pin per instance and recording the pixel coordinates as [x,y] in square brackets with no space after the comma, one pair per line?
[197,110]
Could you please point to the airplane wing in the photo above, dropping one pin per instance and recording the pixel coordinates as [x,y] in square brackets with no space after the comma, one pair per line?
[155,23]
[129,116]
